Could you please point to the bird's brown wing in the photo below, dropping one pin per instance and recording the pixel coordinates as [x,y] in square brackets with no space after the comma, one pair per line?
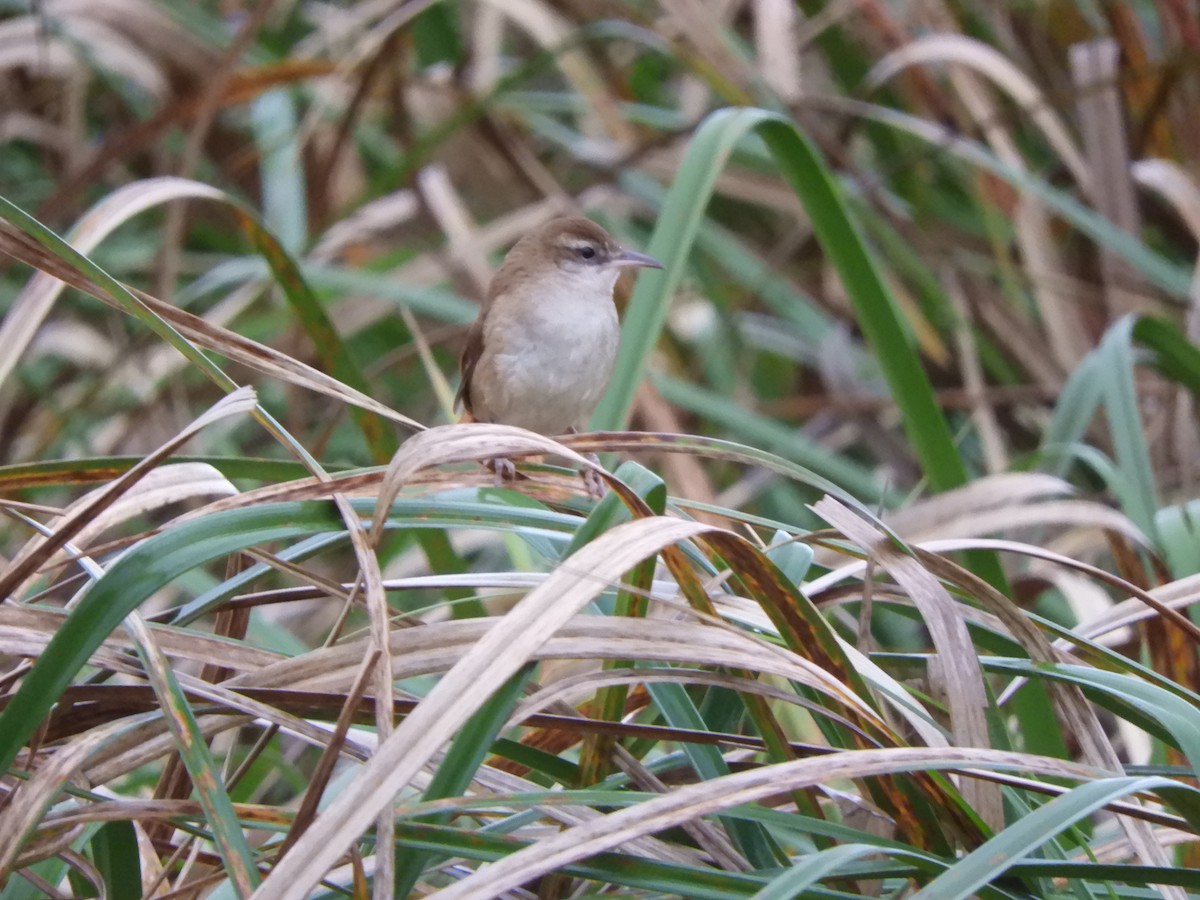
[467,362]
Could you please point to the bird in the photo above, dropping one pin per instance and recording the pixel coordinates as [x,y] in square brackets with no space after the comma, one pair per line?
[541,352]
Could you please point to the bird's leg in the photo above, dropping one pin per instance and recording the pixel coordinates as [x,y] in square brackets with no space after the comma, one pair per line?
[503,467]
[593,481]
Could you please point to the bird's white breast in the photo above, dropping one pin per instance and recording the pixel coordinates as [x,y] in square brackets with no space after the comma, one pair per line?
[553,358]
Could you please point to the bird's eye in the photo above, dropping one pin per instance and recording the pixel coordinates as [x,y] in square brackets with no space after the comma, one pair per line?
[586,252]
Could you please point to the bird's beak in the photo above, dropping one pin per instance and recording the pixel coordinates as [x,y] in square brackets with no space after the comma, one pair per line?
[633,258]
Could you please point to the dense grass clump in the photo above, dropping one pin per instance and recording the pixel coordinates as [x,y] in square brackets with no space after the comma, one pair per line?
[891,591]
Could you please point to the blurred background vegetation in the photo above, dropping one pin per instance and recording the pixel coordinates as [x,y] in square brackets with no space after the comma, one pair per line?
[904,439]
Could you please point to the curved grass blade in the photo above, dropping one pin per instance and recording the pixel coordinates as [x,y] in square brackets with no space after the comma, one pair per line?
[701,883]
[466,754]
[1179,716]
[214,799]
[807,871]
[672,700]
[772,435]
[1106,377]
[1176,356]
[1165,274]
[127,583]
[992,858]
[737,790]
[491,660]
[809,177]
[89,470]
[32,228]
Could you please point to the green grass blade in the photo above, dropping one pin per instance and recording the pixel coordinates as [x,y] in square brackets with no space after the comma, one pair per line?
[702,883]
[127,583]
[1125,423]
[807,871]
[834,226]
[64,251]
[222,820]
[1176,356]
[1167,275]
[1106,376]
[992,858]
[679,711]
[1178,715]
[452,778]
[115,853]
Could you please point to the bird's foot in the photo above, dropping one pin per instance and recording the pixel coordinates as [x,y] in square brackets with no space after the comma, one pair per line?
[504,468]
[593,481]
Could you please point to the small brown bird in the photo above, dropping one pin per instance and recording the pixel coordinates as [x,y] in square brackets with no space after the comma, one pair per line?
[542,350]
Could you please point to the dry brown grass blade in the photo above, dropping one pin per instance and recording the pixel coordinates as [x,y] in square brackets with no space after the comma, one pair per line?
[156,488]
[1095,69]
[466,443]
[1154,605]
[27,563]
[1083,515]
[954,665]
[1078,717]
[251,354]
[324,769]
[999,70]
[997,504]
[488,664]
[142,810]
[436,647]
[23,810]
[987,495]
[1177,595]
[24,631]
[105,703]
[718,794]
[36,299]
[379,617]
